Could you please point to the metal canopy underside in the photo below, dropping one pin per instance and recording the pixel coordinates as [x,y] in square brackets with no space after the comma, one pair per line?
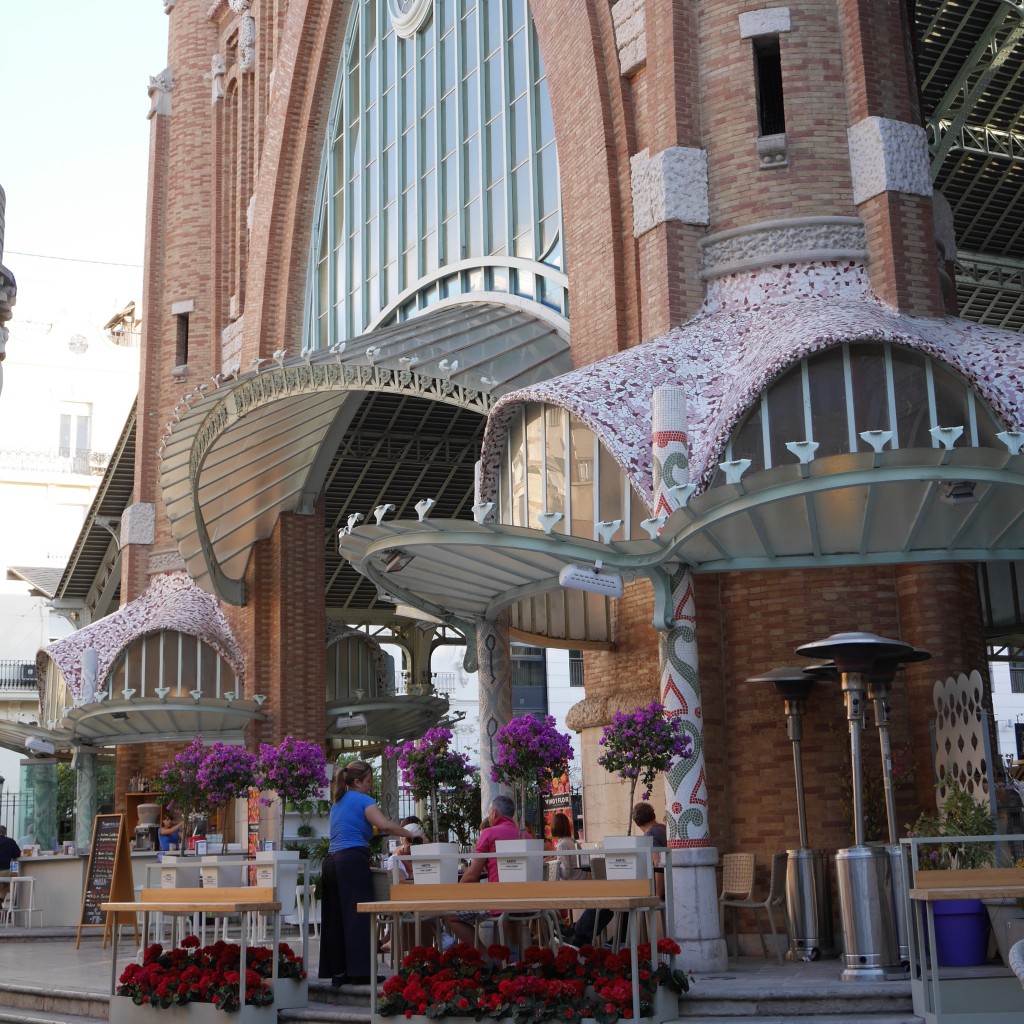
[395,415]
[388,722]
[854,509]
[152,720]
[971,67]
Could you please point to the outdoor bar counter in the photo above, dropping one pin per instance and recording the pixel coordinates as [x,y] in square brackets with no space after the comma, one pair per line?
[60,879]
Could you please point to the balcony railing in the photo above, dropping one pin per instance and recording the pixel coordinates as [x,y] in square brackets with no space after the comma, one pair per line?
[17,676]
[54,461]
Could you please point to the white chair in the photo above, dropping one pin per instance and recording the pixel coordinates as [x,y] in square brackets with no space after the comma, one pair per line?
[20,903]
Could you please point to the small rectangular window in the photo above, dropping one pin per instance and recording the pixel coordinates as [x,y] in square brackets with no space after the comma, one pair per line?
[181,339]
[1016,677]
[771,113]
[575,668]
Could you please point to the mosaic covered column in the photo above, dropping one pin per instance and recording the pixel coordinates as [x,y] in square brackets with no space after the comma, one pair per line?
[85,798]
[495,675]
[388,798]
[695,894]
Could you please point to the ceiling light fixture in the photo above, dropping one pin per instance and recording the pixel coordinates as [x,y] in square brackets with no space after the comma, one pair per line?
[959,492]
[396,560]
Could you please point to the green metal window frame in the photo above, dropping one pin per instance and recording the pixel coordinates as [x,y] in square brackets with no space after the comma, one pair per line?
[835,395]
[439,181]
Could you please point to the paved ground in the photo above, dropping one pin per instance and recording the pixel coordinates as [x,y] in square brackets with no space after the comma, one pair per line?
[47,957]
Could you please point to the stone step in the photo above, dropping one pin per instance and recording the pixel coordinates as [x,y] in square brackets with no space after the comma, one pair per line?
[831,1018]
[63,1005]
[14,1015]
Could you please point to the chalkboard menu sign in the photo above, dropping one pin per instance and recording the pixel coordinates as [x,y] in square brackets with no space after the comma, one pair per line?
[109,874]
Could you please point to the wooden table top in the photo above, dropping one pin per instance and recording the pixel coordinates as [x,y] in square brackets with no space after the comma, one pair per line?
[193,907]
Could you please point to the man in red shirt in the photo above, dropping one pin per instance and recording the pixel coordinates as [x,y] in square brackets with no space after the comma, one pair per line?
[501,816]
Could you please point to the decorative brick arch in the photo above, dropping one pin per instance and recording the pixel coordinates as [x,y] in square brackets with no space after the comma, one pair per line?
[304,75]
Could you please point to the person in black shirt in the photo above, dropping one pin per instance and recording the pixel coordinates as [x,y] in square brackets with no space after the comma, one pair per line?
[9,850]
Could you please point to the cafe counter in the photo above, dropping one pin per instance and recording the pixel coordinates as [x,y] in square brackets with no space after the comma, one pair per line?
[60,878]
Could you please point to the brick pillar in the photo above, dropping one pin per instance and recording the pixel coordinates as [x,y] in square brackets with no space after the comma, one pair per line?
[889,156]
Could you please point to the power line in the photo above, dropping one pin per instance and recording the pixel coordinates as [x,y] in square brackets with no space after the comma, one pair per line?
[72,259]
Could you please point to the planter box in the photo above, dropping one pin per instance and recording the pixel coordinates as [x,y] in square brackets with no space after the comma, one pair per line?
[178,873]
[628,856]
[289,993]
[221,872]
[280,869]
[519,869]
[435,863]
[124,1011]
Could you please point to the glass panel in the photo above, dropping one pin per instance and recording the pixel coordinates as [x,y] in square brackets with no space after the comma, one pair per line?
[496,210]
[748,441]
[554,470]
[637,514]
[870,394]
[828,402]
[910,384]
[581,477]
[518,473]
[786,415]
[610,499]
[951,403]
[520,127]
[534,463]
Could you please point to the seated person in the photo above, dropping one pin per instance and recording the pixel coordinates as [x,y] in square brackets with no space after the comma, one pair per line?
[170,833]
[9,850]
[583,931]
[501,825]
[406,878]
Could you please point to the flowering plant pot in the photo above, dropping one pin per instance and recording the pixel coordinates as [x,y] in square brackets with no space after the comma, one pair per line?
[640,745]
[569,986]
[530,753]
[209,975]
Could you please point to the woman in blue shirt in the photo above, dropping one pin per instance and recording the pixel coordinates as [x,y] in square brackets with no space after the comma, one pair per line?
[344,932]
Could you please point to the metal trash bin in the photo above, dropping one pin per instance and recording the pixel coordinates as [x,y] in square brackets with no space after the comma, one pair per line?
[809,905]
[864,882]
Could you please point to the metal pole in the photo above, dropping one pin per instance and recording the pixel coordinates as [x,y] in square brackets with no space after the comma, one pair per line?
[854,684]
[794,724]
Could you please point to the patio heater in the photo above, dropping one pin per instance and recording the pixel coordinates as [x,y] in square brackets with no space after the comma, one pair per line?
[863,873]
[880,681]
[808,893]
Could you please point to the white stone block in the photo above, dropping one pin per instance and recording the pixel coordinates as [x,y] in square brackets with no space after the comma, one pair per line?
[770,21]
[888,156]
[673,185]
[138,524]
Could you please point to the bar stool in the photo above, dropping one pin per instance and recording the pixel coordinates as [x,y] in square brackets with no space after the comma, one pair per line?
[18,902]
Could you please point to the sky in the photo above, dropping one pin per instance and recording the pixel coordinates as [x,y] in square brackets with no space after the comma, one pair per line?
[74,152]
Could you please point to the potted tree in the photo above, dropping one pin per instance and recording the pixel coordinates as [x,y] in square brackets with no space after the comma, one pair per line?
[530,753]
[961,926]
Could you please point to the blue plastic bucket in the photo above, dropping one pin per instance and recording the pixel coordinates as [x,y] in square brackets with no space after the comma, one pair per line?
[961,932]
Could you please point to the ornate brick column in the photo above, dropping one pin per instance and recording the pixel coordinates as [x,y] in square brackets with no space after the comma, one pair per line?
[695,899]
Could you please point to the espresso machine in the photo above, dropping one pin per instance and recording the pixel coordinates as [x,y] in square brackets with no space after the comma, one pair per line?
[146,838]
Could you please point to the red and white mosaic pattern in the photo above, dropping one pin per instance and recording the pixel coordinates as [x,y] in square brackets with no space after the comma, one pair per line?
[173,601]
[754,327]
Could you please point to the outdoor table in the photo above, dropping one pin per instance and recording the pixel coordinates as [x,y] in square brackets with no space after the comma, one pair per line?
[1002,1000]
[520,896]
[192,901]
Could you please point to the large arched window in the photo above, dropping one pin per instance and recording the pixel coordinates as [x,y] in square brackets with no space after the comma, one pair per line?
[553,463]
[836,395]
[440,179]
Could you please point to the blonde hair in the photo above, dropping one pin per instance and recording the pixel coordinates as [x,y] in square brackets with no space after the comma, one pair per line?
[345,778]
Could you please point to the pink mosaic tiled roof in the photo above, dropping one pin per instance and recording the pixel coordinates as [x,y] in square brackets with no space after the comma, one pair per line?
[726,356]
[173,601]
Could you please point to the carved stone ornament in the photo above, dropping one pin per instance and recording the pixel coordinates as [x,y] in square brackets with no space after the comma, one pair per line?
[247,43]
[409,16]
[159,90]
[169,6]
[218,68]
[239,6]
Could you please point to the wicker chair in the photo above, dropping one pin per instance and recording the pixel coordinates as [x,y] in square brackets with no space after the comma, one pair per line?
[1016,960]
[737,890]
